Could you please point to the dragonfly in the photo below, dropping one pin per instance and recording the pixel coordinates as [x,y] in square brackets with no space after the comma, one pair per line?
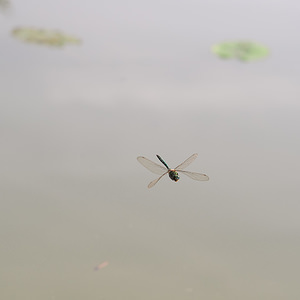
[173,173]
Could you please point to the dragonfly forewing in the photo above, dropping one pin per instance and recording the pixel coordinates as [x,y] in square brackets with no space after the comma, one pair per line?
[187,162]
[151,166]
[195,176]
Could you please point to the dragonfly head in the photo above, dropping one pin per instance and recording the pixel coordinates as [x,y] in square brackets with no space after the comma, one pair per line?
[173,175]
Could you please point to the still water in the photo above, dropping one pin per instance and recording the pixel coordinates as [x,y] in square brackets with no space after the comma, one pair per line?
[73,121]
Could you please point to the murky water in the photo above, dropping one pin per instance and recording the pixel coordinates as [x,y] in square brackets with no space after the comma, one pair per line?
[144,82]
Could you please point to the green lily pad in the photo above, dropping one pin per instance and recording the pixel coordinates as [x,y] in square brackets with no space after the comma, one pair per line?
[42,36]
[244,51]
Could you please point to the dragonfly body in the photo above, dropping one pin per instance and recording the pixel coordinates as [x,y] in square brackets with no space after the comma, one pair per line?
[173,173]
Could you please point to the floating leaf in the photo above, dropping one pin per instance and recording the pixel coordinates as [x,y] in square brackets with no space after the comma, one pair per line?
[244,51]
[43,36]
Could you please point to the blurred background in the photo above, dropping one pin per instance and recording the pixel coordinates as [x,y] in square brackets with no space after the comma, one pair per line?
[143,81]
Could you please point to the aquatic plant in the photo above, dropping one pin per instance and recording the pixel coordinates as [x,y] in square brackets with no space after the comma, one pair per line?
[43,36]
[241,50]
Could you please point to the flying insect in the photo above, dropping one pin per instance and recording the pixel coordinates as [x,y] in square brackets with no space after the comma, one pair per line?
[173,173]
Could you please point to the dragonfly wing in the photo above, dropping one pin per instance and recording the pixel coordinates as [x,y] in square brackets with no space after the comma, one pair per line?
[186,162]
[195,176]
[154,182]
[151,166]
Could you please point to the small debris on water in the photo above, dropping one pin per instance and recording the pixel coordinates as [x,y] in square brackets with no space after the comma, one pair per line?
[101,266]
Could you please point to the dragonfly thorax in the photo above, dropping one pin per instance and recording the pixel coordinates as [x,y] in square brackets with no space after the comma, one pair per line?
[173,175]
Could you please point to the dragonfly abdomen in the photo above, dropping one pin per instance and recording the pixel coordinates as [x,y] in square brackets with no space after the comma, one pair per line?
[162,161]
